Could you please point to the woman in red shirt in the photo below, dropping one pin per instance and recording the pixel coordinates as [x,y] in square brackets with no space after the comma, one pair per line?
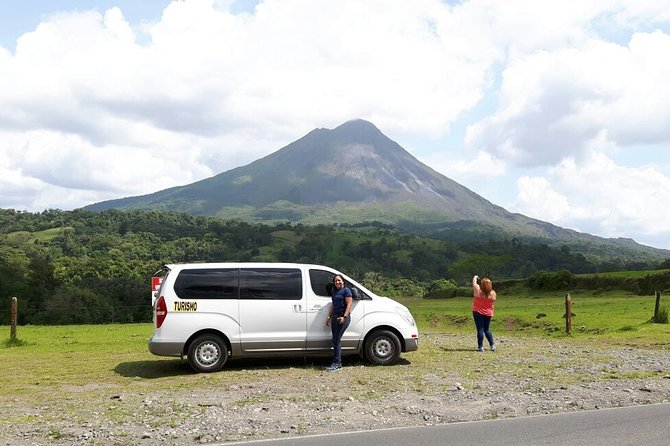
[482,311]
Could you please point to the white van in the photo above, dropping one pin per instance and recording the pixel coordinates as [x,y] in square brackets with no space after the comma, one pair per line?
[211,312]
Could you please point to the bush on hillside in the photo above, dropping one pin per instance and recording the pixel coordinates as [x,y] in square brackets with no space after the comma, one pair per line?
[641,286]
[447,293]
[442,284]
[546,281]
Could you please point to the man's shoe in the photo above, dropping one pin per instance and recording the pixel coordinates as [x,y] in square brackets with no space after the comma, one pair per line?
[333,368]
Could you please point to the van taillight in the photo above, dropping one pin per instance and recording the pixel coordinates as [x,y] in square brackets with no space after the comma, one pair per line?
[161,311]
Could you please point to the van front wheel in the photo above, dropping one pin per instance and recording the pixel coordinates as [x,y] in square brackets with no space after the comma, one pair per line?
[382,348]
[207,353]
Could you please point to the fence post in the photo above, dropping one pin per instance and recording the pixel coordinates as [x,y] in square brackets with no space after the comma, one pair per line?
[12,327]
[568,314]
[657,309]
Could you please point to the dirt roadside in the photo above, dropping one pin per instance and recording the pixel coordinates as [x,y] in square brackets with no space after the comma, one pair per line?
[445,381]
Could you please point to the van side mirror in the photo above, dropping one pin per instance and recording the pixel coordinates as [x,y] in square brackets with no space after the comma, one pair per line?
[355,294]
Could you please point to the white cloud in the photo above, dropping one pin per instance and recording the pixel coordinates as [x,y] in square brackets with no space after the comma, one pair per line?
[483,167]
[211,90]
[538,199]
[95,107]
[600,197]
[568,102]
[16,190]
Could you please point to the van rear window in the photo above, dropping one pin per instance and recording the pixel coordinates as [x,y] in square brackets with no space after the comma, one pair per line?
[207,284]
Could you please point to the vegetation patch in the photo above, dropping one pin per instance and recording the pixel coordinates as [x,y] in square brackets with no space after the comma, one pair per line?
[661,317]
[14,342]
[512,323]
[628,328]
[289,236]
[435,320]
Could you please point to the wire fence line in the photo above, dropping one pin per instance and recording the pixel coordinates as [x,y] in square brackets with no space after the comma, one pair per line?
[77,314]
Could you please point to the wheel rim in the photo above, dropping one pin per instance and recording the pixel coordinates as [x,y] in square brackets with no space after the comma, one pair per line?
[207,354]
[383,348]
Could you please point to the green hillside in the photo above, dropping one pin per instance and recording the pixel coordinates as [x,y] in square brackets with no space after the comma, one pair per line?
[94,267]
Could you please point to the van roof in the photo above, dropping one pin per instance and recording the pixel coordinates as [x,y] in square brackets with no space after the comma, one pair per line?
[244,265]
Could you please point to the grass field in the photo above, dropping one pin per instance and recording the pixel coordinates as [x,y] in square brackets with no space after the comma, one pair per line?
[57,377]
[617,317]
[76,354]
[114,355]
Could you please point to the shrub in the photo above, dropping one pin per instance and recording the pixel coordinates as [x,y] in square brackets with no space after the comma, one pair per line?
[406,287]
[661,317]
[14,342]
[547,281]
[442,284]
[447,293]
[74,305]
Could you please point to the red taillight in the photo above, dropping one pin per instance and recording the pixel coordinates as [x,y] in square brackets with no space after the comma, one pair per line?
[161,311]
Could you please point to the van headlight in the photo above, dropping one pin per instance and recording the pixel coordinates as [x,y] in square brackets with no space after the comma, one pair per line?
[404,312]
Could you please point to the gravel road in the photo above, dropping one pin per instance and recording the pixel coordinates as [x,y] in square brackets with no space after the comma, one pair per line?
[445,381]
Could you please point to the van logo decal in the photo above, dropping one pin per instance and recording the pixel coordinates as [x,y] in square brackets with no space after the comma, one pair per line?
[185,306]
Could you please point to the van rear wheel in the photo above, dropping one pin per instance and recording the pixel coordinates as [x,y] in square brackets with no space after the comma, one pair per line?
[207,353]
[382,348]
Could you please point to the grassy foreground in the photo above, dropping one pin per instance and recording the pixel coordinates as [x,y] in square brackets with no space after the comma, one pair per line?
[615,317]
[103,376]
[85,358]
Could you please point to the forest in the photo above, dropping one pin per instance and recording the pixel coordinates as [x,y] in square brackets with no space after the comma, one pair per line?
[76,267]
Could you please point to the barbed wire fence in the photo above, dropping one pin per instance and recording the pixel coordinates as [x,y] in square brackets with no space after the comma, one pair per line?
[97,314]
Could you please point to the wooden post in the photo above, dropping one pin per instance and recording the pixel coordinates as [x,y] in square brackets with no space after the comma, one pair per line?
[568,314]
[657,309]
[12,329]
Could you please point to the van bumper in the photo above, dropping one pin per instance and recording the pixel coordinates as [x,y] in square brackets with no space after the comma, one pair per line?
[411,344]
[165,348]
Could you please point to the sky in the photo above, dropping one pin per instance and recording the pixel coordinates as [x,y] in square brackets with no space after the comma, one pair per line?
[558,110]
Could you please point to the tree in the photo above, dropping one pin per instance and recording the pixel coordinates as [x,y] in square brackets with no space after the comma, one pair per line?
[74,305]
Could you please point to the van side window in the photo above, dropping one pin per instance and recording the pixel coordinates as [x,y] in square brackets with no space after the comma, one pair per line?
[322,282]
[207,284]
[271,283]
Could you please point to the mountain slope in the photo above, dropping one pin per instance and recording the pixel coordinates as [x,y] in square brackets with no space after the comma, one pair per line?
[354,163]
[352,174]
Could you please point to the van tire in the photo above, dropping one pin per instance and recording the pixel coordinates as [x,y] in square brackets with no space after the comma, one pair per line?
[382,347]
[207,353]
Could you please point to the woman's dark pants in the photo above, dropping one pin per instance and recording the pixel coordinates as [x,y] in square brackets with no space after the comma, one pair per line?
[338,331]
[482,323]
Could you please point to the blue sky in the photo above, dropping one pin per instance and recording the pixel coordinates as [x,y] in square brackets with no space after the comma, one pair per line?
[554,109]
